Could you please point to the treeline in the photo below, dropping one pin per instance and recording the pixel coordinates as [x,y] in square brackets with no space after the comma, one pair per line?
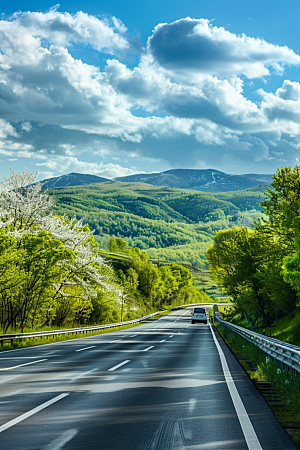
[155,287]
[260,268]
[53,273]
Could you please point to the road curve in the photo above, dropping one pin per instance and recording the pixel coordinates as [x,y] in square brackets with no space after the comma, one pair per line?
[166,385]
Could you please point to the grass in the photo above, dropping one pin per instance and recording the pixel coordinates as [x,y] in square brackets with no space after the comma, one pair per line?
[202,280]
[287,329]
[262,368]
[29,342]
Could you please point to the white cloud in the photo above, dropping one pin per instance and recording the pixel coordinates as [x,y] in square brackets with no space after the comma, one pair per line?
[192,46]
[63,29]
[26,126]
[183,103]
[6,129]
[60,165]
[282,108]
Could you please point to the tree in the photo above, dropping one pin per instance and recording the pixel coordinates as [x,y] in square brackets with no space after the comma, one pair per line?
[117,245]
[282,204]
[54,260]
[247,264]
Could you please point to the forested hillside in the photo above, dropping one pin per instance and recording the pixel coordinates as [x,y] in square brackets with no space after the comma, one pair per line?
[170,223]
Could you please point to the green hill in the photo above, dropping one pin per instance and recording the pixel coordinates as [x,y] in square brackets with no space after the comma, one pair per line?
[174,224]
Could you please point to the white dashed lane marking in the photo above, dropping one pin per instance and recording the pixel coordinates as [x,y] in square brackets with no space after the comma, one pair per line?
[118,365]
[25,364]
[86,348]
[146,349]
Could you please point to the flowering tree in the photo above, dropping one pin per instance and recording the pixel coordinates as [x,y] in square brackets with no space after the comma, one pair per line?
[54,260]
[22,203]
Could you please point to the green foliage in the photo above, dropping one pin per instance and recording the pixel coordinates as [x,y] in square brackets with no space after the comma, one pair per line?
[260,269]
[247,264]
[52,271]
[285,383]
[173,224]
[147,286]
[200,207]
[33,264]
[282,204]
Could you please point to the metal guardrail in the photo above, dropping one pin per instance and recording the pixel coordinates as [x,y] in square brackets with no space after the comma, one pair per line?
[41,334]
[11,337]
[286,354]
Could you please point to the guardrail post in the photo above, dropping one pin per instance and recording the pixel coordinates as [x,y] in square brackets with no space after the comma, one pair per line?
[11,342]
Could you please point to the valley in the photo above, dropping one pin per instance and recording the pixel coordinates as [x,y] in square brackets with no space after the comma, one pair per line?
[170,223]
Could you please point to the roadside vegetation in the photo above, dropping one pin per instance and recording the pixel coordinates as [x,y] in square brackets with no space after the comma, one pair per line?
[287,328]
[260,269]
[54,274]
[282,387]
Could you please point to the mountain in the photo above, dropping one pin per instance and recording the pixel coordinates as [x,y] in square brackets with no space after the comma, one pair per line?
[263,177]
[72,179]
[206,180]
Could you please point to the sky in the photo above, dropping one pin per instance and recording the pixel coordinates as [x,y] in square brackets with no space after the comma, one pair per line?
[114,88]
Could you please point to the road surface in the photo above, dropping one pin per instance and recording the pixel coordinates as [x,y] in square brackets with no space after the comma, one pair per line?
[166,385]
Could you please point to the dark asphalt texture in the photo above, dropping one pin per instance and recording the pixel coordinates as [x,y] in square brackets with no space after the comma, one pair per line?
[172,396]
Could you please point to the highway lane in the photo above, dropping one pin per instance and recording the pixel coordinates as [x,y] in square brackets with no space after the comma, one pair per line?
[159,386]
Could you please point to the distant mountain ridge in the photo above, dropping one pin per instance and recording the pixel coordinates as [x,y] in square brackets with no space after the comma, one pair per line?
[72,179]
[205,180]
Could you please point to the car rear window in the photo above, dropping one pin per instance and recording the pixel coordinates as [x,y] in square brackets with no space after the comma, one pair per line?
[199,310]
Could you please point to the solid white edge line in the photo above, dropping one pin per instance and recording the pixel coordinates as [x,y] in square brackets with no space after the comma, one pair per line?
[26,364]
[146,349]
[246,425]
[30,413]
[86,348]
[118,365]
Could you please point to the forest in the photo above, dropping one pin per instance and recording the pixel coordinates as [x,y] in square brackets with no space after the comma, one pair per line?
[54,274]
[173,224]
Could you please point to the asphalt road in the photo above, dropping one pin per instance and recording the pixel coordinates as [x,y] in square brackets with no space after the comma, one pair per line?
[167,385]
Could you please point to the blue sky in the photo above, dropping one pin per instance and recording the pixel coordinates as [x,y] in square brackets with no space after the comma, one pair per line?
[114,88]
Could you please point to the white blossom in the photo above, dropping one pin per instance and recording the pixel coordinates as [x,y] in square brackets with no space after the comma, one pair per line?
[25,208]
[23,203]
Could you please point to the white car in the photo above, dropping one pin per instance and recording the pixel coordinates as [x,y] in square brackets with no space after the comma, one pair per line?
[199,315]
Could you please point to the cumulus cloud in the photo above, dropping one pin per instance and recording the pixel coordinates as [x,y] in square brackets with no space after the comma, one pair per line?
[6,129]
[289,90]
[60,165]
[282,108]
[26,126]
[183,104]
[63,29]
[196,46]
